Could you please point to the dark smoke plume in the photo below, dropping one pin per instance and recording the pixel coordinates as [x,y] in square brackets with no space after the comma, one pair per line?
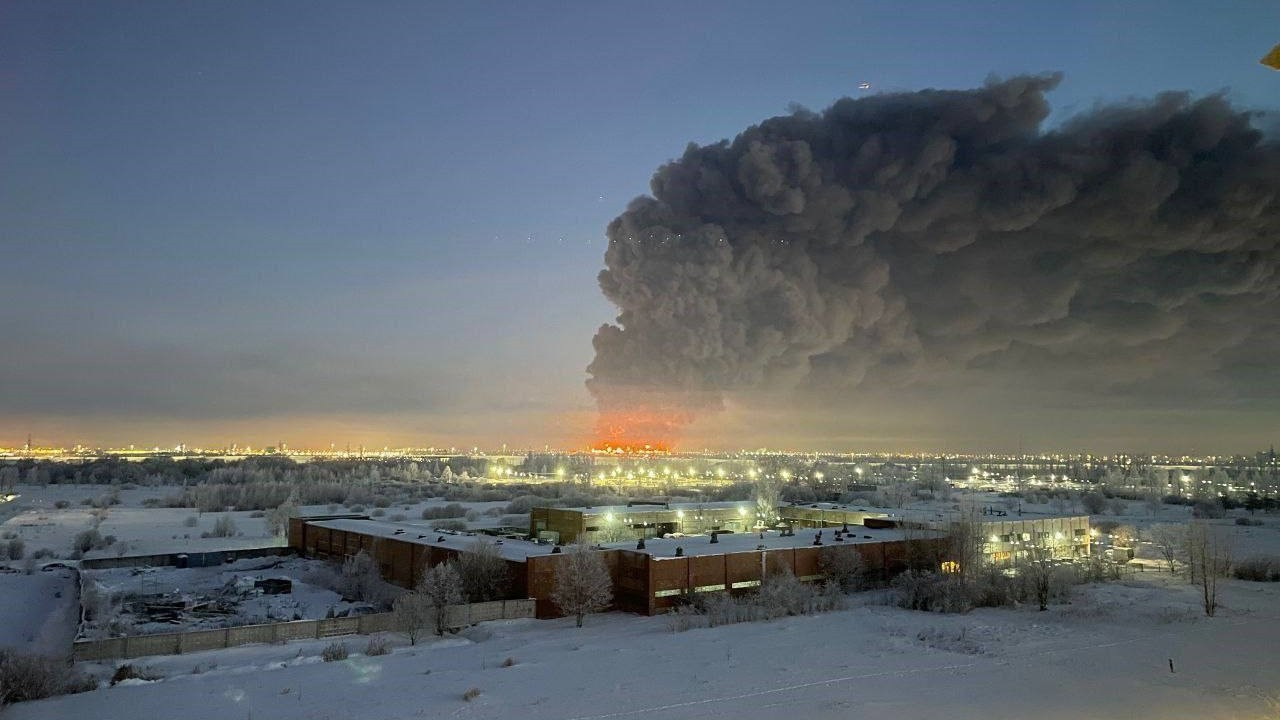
[899,239]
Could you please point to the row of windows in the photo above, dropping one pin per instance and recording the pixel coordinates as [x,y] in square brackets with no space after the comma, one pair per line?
[715,588]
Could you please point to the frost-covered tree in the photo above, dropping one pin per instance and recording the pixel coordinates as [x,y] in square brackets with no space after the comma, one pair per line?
[361,580]
[413,614]
[278,518]
[583,584]
[842,567]
[440,587]
[766,491]
[483,572]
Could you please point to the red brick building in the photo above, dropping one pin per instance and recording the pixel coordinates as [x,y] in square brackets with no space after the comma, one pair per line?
[645,580]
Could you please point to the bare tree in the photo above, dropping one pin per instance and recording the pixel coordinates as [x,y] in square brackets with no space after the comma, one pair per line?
[483,572]
[1171,540]
[441,587]
[966,542]
[1209,556]
[1036,569]
[583,584]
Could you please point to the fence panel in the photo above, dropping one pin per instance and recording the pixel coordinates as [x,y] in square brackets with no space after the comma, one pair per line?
[202,640]
[332,627]
[198,640]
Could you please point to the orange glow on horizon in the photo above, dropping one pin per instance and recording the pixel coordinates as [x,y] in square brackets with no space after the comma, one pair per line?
[637,431]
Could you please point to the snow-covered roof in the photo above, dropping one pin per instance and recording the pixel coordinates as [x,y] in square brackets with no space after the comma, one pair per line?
[745,505]
[748,541]
[423,535]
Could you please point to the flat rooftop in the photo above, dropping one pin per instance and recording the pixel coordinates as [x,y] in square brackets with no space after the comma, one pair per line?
[509,549]
[751,541]
[747,506]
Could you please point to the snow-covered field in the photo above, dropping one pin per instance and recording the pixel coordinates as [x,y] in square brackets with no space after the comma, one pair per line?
[34,516]
[38,612]
[1106,655]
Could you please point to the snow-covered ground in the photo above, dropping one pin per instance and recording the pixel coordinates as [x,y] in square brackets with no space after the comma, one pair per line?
[34,516]
[1105,655]
[38,612]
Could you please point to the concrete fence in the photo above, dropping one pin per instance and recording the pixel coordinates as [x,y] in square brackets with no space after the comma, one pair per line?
[197,640]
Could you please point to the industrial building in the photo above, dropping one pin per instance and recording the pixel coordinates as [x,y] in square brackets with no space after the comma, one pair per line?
[648,520]
[670,553]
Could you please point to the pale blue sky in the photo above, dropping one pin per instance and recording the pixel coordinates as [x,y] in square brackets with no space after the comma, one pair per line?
[366,222]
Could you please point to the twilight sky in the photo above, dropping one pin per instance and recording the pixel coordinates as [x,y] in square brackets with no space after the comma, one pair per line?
[382,224]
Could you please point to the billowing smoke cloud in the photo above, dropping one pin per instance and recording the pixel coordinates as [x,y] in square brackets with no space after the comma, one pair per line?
[903,239]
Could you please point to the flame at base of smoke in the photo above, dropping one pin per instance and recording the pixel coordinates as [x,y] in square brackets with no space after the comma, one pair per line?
[643,420]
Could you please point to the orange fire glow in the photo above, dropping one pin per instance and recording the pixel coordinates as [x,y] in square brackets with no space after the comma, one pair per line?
[637,431]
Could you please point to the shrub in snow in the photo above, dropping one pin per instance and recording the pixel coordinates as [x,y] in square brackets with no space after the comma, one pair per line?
[515,520]
[191,521]
[842,567]
[932,592]
[449,525]
[1094,503]
[471,693]
[90,539]
[684,617]
[398,517]
[333,652]
[781,594]
[129,671]
[523,504]
[452,510]
[1208,509]
[224,526]
[26,676]
[377,646]
[16,549]
[1258,569]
